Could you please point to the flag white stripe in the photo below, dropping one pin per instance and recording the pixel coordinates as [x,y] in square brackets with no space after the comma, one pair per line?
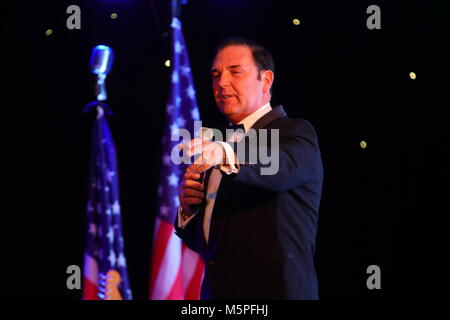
[190,261]
[168,271]
[90,270]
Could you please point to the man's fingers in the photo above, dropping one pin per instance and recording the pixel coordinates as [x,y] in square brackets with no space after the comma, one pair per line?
[192,175]
[193,168]
[187,201]
[204,167]
[198,146]
[199,166]
[195,146]
[192,184]
[187,192]
[194,142]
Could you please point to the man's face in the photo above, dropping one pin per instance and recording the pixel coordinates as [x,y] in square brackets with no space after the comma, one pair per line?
[236,87]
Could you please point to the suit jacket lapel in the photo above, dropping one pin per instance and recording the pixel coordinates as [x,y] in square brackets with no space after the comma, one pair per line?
[275,113]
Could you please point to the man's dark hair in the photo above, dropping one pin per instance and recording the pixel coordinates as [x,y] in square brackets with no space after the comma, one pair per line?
[262,57]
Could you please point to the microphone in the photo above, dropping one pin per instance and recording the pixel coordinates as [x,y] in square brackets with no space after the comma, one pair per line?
[205,134]
[101,62]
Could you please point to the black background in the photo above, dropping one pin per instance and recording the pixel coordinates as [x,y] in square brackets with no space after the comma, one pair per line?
[386,205]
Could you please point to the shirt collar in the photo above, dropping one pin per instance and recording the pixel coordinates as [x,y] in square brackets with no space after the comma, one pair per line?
[250,120]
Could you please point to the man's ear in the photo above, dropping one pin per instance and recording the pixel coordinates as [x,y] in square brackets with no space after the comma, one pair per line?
[267,78]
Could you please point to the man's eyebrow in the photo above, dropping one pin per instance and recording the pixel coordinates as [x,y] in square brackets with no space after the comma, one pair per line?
[230,67]
[234,66]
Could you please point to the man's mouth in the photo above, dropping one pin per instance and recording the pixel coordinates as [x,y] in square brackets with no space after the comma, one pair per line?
[225,97]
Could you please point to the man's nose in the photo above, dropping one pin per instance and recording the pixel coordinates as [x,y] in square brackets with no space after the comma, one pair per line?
[224,80]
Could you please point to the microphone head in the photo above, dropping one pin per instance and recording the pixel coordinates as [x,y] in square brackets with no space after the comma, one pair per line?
[101,60]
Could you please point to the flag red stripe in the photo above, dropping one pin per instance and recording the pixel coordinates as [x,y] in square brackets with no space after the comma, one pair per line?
[90,290]
[162,237]
[194,287]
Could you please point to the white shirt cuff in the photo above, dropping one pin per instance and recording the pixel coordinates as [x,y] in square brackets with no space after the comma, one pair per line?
[232,166]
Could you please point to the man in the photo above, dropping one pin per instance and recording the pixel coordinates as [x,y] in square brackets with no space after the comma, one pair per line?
[255,232]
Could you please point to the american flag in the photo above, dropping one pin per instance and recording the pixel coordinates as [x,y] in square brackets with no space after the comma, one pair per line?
[177,271]
[105,270]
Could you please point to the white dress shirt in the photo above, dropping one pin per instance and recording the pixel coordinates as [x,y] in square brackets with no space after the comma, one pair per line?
[216,176]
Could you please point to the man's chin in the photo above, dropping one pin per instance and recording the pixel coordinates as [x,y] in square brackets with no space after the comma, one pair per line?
[227,109]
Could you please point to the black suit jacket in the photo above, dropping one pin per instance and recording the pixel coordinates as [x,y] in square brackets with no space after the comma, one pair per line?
[263,227]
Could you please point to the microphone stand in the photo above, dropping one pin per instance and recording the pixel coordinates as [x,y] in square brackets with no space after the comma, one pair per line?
[100,88]
[101,95]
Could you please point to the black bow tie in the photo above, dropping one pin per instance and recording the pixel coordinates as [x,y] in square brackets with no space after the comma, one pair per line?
[235,127]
